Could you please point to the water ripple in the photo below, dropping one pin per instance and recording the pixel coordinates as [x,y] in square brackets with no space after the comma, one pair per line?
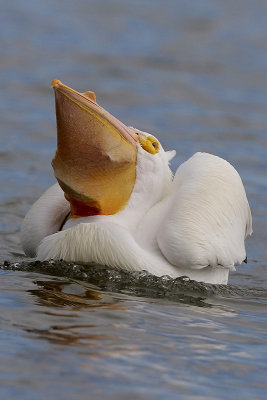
[140,283]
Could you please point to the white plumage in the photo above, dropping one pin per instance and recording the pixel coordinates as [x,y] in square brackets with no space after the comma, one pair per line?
[193,224]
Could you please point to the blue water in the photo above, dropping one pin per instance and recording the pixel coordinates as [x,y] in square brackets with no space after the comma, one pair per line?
[194,74]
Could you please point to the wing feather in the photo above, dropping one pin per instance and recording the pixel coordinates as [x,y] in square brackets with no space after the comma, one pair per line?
[209,216]
[45,217]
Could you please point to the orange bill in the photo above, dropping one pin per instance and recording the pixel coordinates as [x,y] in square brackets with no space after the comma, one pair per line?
[95,161]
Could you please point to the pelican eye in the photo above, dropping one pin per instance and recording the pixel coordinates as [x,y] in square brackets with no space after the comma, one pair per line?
[149,143]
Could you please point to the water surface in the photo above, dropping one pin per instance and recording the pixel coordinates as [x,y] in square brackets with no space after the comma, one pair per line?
[193,74]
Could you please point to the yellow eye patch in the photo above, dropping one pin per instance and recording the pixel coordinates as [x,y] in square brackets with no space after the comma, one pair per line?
[150,144]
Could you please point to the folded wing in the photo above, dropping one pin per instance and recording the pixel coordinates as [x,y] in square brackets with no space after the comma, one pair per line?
[209,215]
[45,217]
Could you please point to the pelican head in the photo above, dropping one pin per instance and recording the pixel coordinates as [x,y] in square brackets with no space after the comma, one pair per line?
[96,157]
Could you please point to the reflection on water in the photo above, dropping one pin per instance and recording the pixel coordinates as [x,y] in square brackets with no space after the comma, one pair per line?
[65,294]
[194,74]
[80,337]
[74,297]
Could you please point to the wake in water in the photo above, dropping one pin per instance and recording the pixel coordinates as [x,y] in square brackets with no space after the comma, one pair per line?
[139,283]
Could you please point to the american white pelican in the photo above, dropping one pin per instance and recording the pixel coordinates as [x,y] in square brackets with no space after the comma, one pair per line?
[116,202]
